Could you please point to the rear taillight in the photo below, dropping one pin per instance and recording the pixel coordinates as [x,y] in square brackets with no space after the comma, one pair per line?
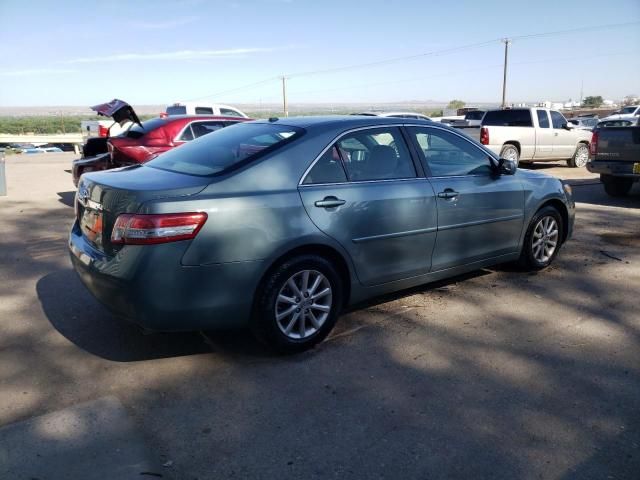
[484,136]
[134,229]
[593,146]
[102,131]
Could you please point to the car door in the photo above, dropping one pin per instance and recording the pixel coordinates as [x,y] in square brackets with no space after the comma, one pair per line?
[363,191]
[564,141]
[480,213]
[544,136]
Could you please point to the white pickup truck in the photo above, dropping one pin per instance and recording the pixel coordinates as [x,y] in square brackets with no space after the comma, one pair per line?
[533,135]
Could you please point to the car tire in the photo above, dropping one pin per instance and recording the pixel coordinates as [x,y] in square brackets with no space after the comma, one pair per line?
[542,240]
[510,152]
[580,156]
[616,186]
[289,320]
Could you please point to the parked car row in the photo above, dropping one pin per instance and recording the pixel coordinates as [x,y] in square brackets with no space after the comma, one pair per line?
[278,225]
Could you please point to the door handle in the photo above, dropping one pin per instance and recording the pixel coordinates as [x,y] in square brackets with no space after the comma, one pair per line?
[448,193]
[555,134]
[329,202]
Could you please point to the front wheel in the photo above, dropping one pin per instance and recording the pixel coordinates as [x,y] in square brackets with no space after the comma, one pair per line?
[580,157]
[298,304]
[616,186]
[543,239]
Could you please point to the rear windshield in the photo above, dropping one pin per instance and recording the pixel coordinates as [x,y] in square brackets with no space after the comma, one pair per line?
[474,115]
[177,110]
[508,118]
[225,148]
[628,110]
[137,131]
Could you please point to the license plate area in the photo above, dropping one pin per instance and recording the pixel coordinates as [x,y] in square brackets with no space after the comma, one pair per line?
[636,168]
[91,224]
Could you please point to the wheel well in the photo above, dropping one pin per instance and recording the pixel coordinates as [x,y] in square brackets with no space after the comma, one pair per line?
[324,251]
[562,209]
[514,143]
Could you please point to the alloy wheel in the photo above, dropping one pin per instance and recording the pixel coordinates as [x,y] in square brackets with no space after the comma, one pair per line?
[582,156]
[303,304]
[545,239]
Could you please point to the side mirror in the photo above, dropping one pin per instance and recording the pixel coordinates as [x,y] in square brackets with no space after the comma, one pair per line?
[567,126]
[507,167]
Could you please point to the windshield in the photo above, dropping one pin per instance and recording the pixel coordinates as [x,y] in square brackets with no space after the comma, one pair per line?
[177,110]
[219,151]
[628,110]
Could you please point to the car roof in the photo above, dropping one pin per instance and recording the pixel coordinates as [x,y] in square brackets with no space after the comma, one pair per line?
[380,113]
[346,121]
[202,116]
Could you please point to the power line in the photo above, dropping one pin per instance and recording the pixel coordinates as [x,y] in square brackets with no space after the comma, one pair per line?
[232,90]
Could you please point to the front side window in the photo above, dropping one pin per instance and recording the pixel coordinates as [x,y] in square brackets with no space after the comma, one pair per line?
[375,154]
[226,148]
[543,118]
[447,154]
[557,119]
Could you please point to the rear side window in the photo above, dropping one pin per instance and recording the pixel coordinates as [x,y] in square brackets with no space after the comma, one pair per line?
[328,169]
[228,112]
[543,118]
[376,154]
[177,110]
[508,118]
[204,111]
[226,148]
[557,119]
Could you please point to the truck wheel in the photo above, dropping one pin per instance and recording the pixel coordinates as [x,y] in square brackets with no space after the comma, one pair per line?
[616,186]
[510,152]
[580,156]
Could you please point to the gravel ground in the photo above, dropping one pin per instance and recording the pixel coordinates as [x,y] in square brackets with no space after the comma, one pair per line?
[497,374]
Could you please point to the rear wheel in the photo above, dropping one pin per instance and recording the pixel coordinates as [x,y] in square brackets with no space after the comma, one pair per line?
[510,152]
[616,186]
[298,304]
[580,156]
[543,239]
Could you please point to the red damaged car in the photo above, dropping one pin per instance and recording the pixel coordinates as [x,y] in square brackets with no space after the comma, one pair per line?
[142,141]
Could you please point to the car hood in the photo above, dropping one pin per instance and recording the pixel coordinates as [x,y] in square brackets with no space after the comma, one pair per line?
[119,110]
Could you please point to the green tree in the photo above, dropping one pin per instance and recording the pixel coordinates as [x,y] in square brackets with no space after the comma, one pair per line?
[594,102]
[456,104]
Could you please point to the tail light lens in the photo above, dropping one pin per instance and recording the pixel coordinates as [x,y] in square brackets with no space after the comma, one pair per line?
[102,131]
[484,136]
[593,146]
[158,228]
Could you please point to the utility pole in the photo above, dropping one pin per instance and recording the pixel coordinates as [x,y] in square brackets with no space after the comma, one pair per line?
[504,79]
[284,96]
[581,91]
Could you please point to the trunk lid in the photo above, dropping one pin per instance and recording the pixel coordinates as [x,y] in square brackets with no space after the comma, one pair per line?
[102,196]
[119,110]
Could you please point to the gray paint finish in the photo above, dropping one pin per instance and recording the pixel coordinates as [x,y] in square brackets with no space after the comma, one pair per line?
[391,234]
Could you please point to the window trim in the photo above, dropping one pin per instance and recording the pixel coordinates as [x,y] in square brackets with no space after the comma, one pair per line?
[419,171]
[423,159]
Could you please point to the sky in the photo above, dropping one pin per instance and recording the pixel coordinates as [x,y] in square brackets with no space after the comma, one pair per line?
[68,52]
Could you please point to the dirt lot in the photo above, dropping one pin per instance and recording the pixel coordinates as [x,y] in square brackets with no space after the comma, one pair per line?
[498,374]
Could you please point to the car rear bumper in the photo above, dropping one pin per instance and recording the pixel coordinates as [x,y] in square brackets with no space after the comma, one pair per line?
[148,286]
[617,169]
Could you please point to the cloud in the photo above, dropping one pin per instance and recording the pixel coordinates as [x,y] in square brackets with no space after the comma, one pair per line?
[163,25]
[35,72]
[176,56]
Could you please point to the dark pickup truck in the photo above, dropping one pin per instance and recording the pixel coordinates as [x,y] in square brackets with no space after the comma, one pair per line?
[615,155]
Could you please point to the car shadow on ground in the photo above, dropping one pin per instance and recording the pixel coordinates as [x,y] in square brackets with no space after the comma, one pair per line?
[593,193]
[88,325]
[67,198]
